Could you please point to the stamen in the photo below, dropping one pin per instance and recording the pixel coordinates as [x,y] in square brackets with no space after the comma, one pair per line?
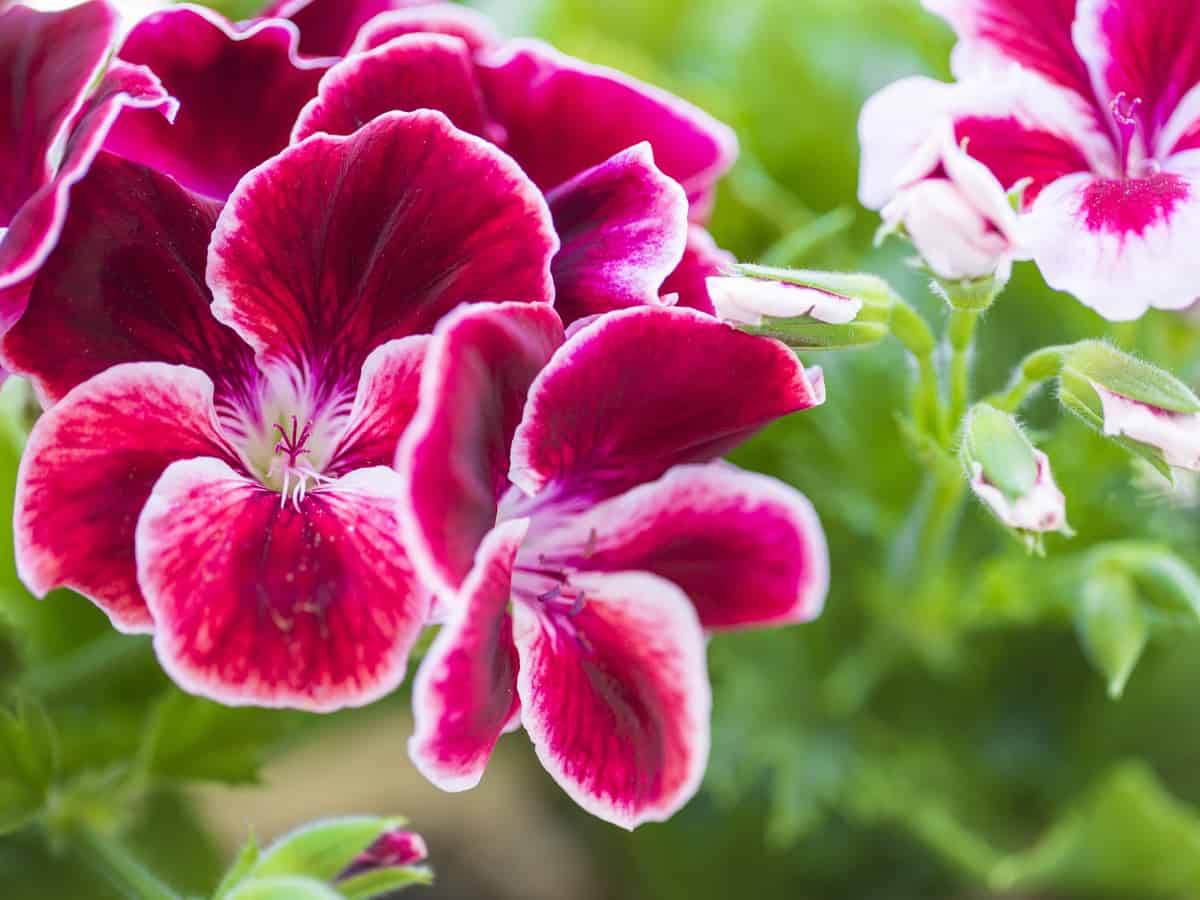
[295,474]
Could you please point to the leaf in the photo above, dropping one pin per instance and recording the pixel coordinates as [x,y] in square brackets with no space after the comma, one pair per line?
[323,849]
[1111,627]
[284,888]
[242,866]
[28,763]
[379,882]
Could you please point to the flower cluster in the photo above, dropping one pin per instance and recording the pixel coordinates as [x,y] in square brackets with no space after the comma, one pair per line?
[356,318]
[1090,111]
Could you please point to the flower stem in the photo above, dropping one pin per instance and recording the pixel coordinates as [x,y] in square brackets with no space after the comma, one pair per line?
[961,333]
[916,336]
[112,860]
[1035,369]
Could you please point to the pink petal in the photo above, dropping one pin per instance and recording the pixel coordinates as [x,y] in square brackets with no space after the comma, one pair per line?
[465,693]
[1035,34]
[257,603]
[37,225]
[421,71]
[50,62]
[747,550]
[637,392]
[702,259]
[87,471]
[1120,246]
[616,698]
[623,226]
[563,116]
[239,94]
[474,29]
[384,404]
[340,244]
[328,27]
[455,456]
[1148,50]
[125,285]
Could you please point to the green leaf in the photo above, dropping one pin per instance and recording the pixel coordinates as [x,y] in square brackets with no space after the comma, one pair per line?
[242,867]
[323,849]
[28,763]
[284,888]
[383,881]
[1111,627]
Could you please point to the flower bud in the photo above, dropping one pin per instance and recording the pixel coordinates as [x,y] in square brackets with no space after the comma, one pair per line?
[805,310]
[956,213]
[1146,409]
[1011,476]
[392,848]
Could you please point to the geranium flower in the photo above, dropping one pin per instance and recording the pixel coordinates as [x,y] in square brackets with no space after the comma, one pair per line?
[58,99]
[561,497]
[1097,103]
[221,476]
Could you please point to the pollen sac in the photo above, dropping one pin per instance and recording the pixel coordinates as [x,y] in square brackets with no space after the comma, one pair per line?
[805,309]
[1142,407]
[1012,477]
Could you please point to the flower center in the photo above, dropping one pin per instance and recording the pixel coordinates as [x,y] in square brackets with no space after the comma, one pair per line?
[1125,115]
[291,470]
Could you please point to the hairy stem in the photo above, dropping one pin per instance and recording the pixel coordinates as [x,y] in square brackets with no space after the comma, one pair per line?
[110,858]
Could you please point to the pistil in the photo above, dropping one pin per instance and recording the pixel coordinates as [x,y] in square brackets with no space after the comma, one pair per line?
[290,466]
[1124,113]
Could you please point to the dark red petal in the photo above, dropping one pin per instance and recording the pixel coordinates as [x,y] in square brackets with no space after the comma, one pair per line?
[615,698]
[89,467]
[384,404]
[328,27]
[1148,50]
[421,71]
[747,550]
[645,389]
[474,29]
[623,226]
[563,116]
[702,259]
[1013,150]
[455,456]
[125,284]
[239,94]
[465,693]
[49,62]
[341,244]
[257,603]
[38,224]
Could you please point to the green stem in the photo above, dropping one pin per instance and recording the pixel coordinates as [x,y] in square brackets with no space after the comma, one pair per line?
[917,337]
[961,332]
[112,860]
[1035,369]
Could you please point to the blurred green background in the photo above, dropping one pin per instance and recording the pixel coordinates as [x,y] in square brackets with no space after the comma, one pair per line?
[939,733]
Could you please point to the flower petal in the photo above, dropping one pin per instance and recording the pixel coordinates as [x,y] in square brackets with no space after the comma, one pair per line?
[455,456]
[636,392]
[239,94]
[421,71]
[328,27]
[623,226]
[340,244]
[1120,246]
[702,260]
[1033,33]
[384,404]
[1148,50]
[258,603]
[37,226]
[473,28]
[125,284]
[563,116]
[87,471]
[50,62]
[465,693]
[616,698]
[747,550]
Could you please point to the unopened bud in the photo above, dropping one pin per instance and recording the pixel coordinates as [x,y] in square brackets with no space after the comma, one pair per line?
[1011,476]
[1143,407]
[805,310]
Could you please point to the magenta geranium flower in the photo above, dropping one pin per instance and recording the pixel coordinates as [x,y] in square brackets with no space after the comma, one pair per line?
[563,499]
[221,476]
[58,99]
[1097,102]
[623,164]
